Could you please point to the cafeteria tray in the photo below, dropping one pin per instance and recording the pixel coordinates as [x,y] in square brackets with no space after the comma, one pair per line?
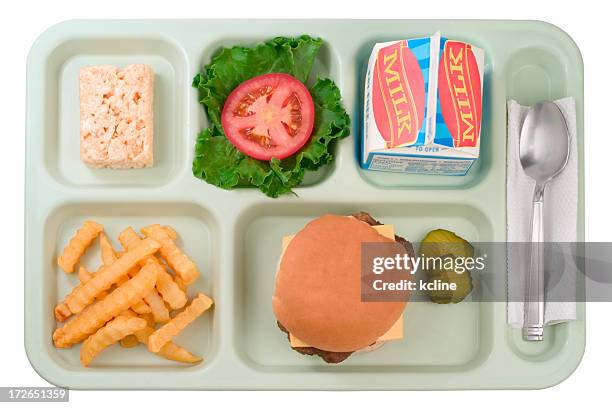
[235,236]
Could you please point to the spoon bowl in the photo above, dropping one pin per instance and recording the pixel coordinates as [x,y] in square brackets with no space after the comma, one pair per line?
[544,142]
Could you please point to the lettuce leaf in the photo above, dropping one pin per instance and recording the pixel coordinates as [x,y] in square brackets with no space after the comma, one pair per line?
[219,163]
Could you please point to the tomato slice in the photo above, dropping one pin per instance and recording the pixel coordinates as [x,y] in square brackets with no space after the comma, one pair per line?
[268,116]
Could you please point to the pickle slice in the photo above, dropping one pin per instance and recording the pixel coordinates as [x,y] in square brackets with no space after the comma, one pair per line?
[441,242]
[446,246]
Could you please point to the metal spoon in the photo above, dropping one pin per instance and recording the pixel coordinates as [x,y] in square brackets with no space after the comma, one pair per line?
[543,151]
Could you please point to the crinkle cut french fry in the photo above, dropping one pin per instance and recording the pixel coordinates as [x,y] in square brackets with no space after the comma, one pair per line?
[171,232]
[166,286]
[158,308]
[165,333]
[81,240]
[174,352]
[96,315]
[114,331]
[178,261]
[141,307]
[124,278]
[129,239]
[62,312]
[129,341]
[131,313]
[107,253]
[109,256]
[85,276]
[179,282]
[134,269]
[149,318]
[128,313]
[170,350]
[81,296]
[143,335]
[169,290]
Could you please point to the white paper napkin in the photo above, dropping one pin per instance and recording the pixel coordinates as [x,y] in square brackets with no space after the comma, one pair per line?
[560,214]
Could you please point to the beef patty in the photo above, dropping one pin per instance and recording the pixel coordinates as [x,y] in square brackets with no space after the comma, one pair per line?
[334,357]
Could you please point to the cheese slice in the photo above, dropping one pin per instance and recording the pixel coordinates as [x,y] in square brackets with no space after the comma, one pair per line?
[396,332]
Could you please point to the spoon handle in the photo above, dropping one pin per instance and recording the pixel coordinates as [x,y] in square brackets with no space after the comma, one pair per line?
[533,327]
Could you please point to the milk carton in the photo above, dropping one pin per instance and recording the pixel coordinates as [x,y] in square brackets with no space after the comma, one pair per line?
[423,106]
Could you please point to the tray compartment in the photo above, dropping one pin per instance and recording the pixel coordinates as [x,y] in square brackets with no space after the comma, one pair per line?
[198,234]
[391,180]
[533,74]
[437,338]
[61,118]
[326,65]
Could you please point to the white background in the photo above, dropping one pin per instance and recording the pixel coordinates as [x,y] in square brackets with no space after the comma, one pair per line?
[589,25]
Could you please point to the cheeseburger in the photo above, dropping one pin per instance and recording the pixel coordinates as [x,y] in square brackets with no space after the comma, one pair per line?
[317,295]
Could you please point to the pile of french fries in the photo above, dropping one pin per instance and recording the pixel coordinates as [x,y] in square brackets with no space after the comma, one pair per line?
[131,297]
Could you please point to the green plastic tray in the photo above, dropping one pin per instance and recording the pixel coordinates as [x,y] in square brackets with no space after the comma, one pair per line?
[235,236]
